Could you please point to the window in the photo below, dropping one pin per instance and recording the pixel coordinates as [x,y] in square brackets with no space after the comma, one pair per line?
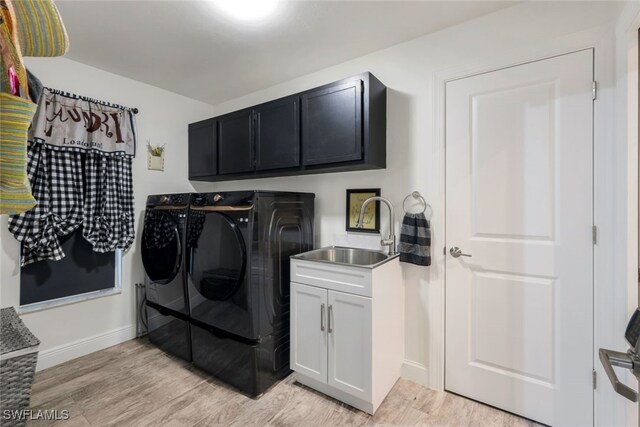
[81,274]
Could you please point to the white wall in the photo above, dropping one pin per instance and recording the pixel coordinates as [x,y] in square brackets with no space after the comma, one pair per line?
[414,73]
[76,329]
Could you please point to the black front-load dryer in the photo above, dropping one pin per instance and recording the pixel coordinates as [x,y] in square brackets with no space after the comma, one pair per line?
[238,249]
[162,250]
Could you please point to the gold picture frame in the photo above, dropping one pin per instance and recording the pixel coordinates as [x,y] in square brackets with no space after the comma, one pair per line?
[371,219]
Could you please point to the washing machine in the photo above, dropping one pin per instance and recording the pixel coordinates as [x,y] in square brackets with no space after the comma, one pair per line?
[163,258]
[238,249]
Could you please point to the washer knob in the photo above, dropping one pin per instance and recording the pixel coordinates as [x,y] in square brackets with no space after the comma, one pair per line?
[217,198]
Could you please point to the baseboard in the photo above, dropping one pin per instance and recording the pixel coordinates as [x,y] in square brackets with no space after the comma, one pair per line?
[64,353]
[416,372]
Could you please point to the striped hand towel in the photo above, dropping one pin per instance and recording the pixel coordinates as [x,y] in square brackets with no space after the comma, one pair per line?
[415,240]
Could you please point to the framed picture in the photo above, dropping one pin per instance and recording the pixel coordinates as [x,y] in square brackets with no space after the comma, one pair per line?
[371,219]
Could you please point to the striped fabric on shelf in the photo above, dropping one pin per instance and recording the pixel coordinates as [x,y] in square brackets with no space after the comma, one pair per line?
[15,117]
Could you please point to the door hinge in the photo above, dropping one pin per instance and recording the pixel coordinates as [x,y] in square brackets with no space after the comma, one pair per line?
[594,90]
[594,231]
[594,376]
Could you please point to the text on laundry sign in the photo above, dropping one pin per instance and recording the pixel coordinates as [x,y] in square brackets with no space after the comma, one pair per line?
[104,122]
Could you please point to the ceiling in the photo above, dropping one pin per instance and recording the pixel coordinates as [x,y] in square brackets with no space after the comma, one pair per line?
[191,48]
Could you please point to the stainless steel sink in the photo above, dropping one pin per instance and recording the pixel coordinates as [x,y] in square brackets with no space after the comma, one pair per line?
[347,256]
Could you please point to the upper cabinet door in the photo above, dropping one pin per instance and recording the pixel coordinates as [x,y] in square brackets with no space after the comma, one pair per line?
[278,134]
[332,124]
[203,150]
[235,142]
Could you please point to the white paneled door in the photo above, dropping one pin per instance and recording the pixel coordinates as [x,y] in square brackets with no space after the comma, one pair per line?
[519,201]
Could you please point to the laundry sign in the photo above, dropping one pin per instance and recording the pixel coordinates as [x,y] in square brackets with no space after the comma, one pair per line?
[69,122]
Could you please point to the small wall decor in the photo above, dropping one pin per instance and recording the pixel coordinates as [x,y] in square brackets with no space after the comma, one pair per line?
[155,157]
[371,220]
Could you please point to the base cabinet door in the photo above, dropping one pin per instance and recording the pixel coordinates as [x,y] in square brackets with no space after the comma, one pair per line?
[349,325]
[309,331]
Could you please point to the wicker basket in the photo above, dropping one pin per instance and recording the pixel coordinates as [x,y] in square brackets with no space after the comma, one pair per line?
[18,357]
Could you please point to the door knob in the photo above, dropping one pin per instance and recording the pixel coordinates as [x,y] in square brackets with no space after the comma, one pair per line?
[457,252]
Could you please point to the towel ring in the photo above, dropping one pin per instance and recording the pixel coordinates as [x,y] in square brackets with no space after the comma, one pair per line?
[416,195]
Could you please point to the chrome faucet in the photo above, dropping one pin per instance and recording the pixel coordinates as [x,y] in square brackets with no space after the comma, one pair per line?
[391,240]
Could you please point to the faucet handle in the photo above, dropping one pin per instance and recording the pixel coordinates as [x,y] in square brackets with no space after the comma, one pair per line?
[386,242]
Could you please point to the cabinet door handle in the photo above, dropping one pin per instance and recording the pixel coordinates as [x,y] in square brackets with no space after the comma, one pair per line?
[322,317]
[330,329]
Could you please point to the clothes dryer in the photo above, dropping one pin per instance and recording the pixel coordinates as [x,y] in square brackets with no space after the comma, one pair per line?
[238,249]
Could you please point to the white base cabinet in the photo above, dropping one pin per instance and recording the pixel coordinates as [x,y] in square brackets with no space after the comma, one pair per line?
[347,341]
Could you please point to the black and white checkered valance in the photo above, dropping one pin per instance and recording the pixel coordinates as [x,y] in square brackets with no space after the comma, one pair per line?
[73,187]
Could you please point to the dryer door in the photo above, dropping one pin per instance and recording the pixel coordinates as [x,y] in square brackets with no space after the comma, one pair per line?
[162,259]
[161,249]
[218,286]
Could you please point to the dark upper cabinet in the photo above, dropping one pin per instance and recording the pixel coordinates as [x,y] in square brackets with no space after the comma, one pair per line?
[277,134]
[235,142]
[337,127]
[203,151]
[332,124]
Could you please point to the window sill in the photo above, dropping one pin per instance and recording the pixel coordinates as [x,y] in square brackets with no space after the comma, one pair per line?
[45,305]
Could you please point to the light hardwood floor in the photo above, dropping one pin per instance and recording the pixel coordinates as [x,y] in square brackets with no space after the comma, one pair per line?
[136,384]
